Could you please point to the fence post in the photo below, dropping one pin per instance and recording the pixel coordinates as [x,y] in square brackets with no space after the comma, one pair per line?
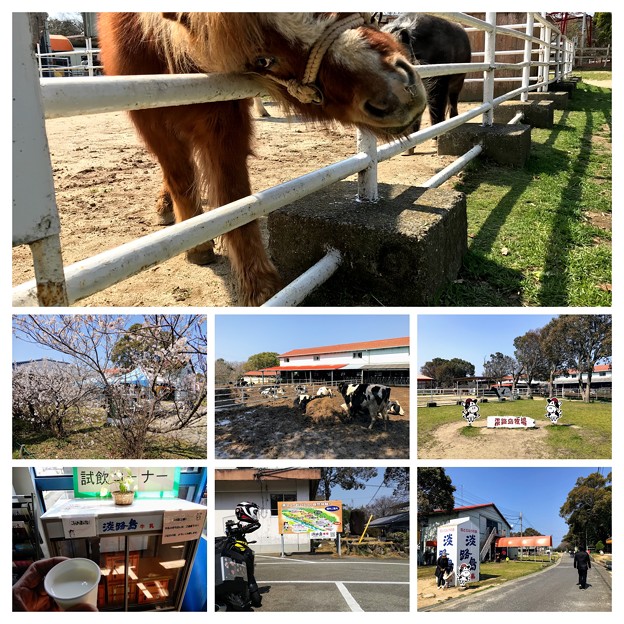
[35,214]
[558,58]
[547,52]
[367,179]
[488,75]
[528,49]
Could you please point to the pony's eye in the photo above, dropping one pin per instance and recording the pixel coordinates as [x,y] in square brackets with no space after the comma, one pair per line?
[264,62]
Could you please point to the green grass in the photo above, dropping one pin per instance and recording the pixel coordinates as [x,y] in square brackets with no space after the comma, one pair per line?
[495,573]
[592,74]
[470,432]
[541,235]
[88,438]
[584,431]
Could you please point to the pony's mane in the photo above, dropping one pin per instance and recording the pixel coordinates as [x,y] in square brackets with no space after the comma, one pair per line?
[225,41]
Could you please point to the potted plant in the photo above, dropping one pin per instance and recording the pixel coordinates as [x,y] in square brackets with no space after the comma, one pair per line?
[122,487]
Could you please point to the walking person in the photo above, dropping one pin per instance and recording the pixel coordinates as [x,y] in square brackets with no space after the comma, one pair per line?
[441,567]
[582,562]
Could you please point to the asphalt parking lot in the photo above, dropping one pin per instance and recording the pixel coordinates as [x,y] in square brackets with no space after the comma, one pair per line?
[312,583]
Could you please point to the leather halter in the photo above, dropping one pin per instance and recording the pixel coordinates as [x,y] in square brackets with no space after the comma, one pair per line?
[306,90]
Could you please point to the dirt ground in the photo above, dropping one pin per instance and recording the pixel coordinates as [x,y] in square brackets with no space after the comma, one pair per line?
[106,186]
[278,430]
[447,442]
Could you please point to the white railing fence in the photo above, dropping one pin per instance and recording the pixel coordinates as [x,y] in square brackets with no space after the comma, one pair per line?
[35,213]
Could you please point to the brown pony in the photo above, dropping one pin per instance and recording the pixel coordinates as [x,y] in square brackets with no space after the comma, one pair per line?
[331,66]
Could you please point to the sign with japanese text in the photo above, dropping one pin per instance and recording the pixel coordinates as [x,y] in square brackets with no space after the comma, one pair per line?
[182,526]
[510,422]
[130,523]
[460,540]
[296,517]
[150,482]
[79,526]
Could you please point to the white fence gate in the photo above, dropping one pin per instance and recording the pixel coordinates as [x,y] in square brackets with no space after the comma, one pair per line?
[35,214]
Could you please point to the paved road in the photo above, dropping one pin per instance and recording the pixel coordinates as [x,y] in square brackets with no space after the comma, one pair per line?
[312,583]
[554,589]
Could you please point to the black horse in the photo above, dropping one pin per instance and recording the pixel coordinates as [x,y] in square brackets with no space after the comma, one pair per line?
[432,40]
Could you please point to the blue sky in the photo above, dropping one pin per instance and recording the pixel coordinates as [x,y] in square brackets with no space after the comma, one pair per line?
[472,337]
[240,336]
[360,498]
[538,493]
[23,351]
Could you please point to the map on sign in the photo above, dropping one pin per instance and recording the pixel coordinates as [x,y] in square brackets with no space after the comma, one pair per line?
[324,517]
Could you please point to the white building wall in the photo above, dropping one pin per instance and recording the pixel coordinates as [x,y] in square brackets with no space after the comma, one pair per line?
[229,493]
[395,355]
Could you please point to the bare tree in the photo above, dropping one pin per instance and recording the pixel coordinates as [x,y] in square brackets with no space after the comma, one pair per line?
[529,355]
[167,392]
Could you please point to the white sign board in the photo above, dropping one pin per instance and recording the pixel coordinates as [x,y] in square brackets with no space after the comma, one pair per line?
[510,422]
[79,526]
[182,525]
[461,541]
[322,534]
[88,481]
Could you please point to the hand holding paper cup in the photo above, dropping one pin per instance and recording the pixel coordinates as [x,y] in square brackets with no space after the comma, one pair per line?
[73,582]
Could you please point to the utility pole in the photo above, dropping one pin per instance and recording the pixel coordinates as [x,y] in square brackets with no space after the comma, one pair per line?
[521,536]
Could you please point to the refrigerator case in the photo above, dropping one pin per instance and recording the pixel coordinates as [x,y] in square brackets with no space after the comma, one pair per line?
[145,550]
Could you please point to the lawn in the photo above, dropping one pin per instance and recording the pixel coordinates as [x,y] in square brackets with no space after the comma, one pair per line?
[541,235]
[87,437]
[584,430]
[493,573]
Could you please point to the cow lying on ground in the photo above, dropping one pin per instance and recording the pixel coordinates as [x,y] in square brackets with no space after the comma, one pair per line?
[366,400]
[394,408]
[302,401]
[301,389]
[272,392]
[324,391]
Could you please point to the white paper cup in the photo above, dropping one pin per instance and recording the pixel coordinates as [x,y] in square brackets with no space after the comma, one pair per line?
[73,582]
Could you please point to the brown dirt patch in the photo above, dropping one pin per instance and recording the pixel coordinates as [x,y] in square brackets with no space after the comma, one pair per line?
[107,184]
[277,430]
[447,442]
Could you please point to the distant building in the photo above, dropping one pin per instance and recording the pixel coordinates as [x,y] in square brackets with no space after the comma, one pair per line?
[375,361]
[491,522]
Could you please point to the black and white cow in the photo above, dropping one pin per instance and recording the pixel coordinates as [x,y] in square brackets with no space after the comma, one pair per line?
[366,400]
[301,389]
[302,401]
[324,391]
[394,408]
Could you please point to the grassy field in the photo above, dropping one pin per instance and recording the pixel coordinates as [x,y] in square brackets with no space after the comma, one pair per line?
[495,573]
[589,437]
[541,235]
[88,438]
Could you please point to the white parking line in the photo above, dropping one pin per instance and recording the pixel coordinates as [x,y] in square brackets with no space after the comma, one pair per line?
[349,599]
[263,582]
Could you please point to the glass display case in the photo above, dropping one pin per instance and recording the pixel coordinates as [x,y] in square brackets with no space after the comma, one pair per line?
[145,550]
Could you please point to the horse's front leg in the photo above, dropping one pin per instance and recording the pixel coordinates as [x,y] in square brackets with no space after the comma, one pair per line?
[180,196]
[223,158]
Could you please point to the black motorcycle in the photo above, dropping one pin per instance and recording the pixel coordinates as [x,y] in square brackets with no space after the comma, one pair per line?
[236,588]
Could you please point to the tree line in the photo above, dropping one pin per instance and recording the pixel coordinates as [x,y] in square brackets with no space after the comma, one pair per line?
[568,342]
[230,372]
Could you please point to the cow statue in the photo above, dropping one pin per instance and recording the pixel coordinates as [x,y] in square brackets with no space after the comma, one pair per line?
[553,410]
[470,411]
[464,575]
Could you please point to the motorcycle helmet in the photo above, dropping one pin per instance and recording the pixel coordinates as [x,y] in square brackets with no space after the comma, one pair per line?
[247,512]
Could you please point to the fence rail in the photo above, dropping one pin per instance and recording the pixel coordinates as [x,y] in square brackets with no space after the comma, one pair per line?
[35,214]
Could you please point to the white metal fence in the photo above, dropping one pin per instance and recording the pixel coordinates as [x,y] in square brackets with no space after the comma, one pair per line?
[35,214]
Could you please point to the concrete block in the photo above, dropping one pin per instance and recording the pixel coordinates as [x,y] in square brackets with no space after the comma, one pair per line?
[566,86]
[398,251]
[507,145]
[537,113]
[558,98]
